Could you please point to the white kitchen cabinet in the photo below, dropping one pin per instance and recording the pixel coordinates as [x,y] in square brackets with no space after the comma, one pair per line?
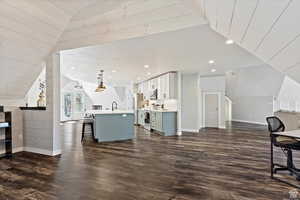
[140,88]
[145,89]
[154,83]
[167,86]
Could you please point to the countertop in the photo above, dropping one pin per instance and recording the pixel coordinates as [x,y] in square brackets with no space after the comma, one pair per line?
[151,110]
[287,111]
[109,112]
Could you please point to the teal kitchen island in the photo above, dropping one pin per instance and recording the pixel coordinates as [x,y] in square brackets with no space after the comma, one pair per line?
[113,125]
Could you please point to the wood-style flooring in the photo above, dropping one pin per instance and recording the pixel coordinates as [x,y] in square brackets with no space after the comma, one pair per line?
[212,164]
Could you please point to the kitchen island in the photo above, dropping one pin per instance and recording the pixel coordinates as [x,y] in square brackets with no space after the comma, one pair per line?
[113,125]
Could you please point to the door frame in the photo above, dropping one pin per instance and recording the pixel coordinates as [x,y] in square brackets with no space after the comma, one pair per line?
[219,107]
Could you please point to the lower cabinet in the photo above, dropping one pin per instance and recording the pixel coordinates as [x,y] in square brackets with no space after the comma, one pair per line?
[164,122]
[141,117]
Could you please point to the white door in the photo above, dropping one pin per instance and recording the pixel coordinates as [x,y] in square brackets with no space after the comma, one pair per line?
[211,110]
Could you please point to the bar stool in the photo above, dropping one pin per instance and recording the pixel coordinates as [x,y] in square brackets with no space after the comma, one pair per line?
[88,120]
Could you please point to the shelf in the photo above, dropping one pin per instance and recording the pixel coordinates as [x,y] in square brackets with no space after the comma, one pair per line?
[33,108]
[4,124]
[6,138]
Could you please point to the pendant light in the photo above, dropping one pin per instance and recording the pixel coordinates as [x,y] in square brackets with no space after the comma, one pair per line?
[101,86]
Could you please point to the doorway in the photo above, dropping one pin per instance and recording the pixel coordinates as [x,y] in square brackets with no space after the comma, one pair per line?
[211,107]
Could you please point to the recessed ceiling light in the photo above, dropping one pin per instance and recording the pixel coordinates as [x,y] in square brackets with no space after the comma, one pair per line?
[114,71]
[229,41]
[73,68]
[211,62]
[213,70]
[149,73]
[146,66]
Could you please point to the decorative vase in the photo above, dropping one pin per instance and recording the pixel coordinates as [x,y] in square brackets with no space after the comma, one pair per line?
[41,102]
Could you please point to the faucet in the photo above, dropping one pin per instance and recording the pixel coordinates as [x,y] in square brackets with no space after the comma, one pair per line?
[114,106]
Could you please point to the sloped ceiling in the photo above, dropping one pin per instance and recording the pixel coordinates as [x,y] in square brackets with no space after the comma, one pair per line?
[267,28]
[31,29]
[112,20]
[187,50]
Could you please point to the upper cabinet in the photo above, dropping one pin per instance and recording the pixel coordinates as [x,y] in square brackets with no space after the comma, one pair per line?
[140,88]
[154,83]
[165,84]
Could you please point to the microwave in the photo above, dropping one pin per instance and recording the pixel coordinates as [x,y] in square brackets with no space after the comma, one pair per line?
[154,95]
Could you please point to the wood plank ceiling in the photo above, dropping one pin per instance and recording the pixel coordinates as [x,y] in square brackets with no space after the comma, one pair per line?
[122,19]
[31,29]
[267,28]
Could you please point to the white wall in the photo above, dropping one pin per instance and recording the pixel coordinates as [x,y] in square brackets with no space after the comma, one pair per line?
[252,91]
[289,96]
[123,95]
[12,102]
[228,109]
[33,93]
[68,87]
[213,84]
[190,102]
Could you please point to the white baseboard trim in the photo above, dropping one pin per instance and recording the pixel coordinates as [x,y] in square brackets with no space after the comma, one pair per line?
[17,149]
[14,150]
[190,130]
[250,122]
[56,152]
[42,151]
[179,133]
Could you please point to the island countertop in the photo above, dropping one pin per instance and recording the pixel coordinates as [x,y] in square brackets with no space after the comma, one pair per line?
[109,112]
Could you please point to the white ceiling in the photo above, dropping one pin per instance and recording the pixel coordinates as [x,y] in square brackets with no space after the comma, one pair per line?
[31,29]
[110,20]
[187,50]
[267,28]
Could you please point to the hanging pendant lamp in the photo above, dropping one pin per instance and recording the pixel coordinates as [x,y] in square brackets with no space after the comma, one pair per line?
[101,86]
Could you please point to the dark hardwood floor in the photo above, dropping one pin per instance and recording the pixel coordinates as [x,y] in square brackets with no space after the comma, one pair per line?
[212,164]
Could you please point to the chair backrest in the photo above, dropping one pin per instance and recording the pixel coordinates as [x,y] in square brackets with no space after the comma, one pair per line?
[275,124]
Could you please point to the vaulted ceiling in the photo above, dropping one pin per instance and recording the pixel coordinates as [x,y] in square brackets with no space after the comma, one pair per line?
[31,29]
[186,50]
[110,20]
[268,29]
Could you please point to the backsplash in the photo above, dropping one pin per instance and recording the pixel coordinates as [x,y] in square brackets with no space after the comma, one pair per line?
[171,104]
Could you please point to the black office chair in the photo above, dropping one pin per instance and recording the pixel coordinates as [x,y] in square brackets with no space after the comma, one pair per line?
[287,144]
[88,120]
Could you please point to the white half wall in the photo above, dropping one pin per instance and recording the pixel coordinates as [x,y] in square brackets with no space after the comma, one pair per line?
[42,128]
